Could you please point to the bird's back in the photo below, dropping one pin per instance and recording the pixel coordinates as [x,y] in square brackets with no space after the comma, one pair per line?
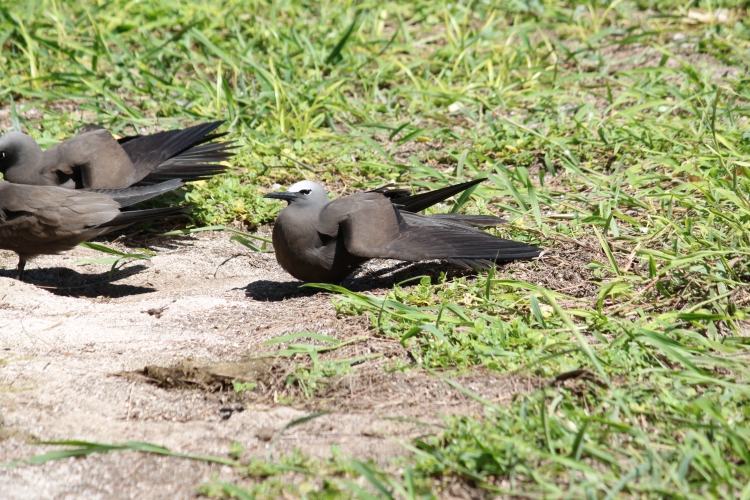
[43,220]
[92,160]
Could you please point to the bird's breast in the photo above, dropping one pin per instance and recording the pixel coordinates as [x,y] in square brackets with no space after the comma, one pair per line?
[299,248]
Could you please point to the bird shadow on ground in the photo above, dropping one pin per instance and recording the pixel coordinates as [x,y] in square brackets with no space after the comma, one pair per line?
[406,273]
[275,291]
[140,239]
[66,282]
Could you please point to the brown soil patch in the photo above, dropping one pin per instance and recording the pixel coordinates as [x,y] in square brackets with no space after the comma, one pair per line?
[371,386]
[562,267]
[210,377]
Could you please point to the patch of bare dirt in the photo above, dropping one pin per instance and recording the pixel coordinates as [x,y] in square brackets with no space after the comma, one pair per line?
[373,385]
[563,266]
[67,333]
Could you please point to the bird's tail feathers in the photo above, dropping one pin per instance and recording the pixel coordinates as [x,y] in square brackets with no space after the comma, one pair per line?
[171,143]
[198,163]
[133,216]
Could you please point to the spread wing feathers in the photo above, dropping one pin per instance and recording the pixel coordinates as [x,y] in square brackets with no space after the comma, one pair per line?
[215,151]
[472,220]
[426,243]
[211,137]
[149,151]
[458,221]
[197,163]
[132,195]
[418,202]
[128,138]
[133,216]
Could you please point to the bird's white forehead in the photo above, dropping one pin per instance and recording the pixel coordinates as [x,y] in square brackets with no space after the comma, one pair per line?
[312,186]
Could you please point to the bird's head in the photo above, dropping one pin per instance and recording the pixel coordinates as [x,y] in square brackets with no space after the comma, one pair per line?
[17,150]
[302,193]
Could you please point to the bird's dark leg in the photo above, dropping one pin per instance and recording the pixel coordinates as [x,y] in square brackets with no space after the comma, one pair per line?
[21,267]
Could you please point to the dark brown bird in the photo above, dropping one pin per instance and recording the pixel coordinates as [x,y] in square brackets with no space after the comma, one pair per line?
[94,159]
[36,220]
[319,240]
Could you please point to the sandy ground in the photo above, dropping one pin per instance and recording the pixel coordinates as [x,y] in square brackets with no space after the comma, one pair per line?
[67,333]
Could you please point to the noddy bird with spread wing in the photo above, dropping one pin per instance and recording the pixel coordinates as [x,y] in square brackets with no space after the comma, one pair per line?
[319,240]
[94,159]
[36,220]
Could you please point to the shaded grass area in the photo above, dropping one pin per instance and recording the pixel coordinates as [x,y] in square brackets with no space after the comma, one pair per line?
[615,135]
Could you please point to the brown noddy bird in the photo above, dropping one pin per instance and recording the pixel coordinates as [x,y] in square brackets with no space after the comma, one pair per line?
[36,220]
[319,240]
[94,159]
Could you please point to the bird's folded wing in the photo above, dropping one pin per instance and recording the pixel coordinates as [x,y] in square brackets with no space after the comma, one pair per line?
[365,221]
[92,160]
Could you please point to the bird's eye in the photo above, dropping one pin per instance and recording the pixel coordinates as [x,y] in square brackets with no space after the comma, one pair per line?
[2,155]
[305,191]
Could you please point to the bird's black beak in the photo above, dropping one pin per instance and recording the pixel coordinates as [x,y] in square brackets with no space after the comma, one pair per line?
[286,196]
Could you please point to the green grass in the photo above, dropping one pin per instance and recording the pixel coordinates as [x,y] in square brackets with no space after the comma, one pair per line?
[618,131]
